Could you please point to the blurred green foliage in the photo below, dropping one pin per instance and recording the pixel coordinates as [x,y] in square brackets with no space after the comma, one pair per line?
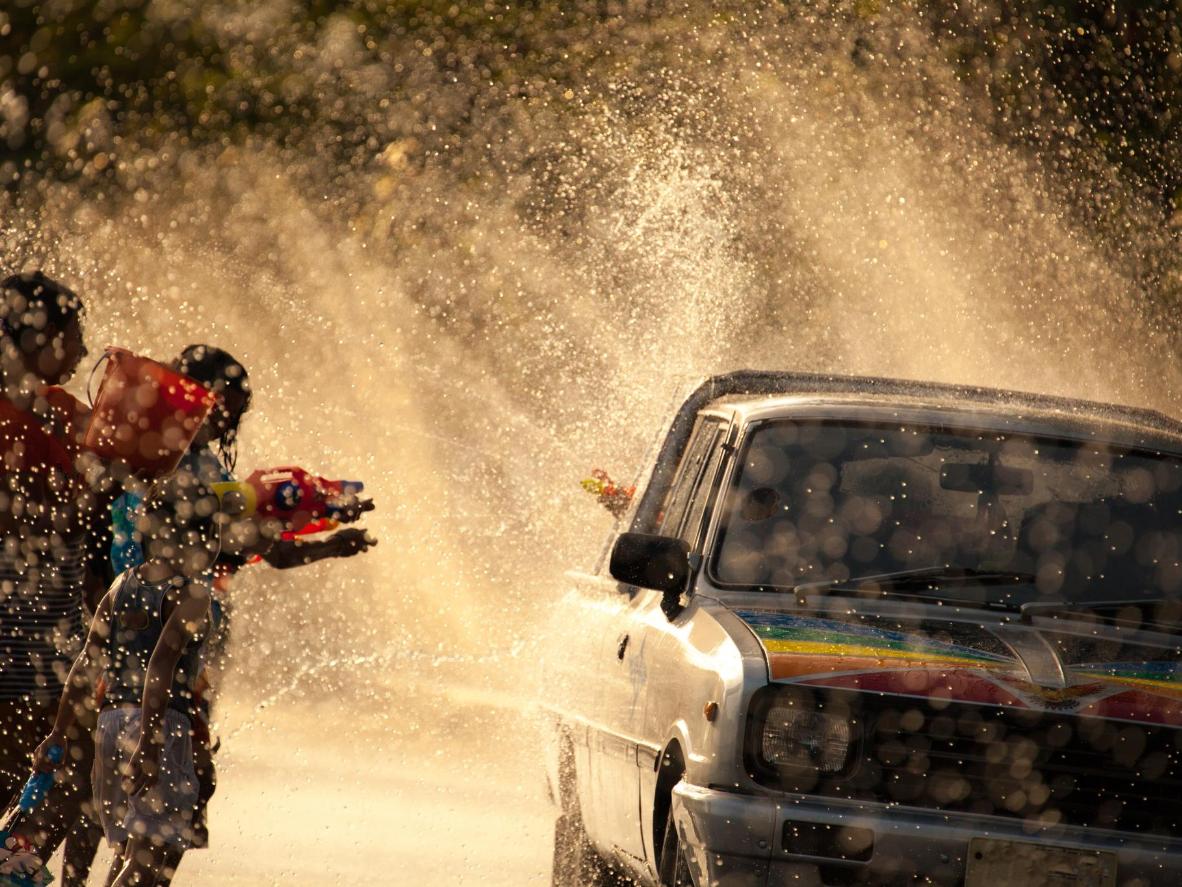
[1097,74]
[84,82]
[80,79]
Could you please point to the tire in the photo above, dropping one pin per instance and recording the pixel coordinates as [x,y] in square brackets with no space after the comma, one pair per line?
[674,870]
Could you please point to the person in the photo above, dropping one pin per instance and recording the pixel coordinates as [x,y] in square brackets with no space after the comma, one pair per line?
[212,458]
[44,519]
[146,636]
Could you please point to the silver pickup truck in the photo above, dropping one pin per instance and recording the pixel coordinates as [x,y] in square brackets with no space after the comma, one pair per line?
[862,631]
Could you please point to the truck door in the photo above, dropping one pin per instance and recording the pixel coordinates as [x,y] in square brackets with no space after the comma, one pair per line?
[624,663]
[687,518]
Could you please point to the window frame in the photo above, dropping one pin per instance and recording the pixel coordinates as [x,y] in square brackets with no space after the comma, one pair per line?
[693,524]
[742,443]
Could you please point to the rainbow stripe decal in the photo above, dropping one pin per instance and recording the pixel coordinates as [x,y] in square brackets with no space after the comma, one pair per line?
[782,633]
[833,653]
[1160,676]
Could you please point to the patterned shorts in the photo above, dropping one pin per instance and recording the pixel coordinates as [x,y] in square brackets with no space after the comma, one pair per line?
[162,812]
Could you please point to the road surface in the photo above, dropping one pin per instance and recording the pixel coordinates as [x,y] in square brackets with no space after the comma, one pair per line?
[377,789]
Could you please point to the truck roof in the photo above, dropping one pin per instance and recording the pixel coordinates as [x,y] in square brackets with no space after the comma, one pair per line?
[751,389]
[1111,427]
[764,393]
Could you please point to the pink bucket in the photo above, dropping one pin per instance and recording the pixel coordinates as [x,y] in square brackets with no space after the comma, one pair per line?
[145,414]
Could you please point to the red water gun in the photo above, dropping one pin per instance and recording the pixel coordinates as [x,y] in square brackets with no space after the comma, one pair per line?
[304,502]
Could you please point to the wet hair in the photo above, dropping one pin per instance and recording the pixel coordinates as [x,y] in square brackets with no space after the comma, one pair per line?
[182,509]
[33,302]
[219,371]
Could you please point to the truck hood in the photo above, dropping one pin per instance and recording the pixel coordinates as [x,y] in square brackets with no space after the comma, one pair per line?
[1064,665]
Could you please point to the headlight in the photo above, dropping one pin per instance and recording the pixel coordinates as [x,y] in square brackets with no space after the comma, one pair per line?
[801,739]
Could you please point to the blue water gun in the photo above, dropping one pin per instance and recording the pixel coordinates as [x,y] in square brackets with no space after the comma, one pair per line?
[31,797]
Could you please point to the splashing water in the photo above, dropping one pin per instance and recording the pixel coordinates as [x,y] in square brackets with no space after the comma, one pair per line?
[470,331]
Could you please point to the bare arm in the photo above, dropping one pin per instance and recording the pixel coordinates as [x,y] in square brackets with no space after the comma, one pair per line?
[184,624]
[250,537]
[285,554]
[78,682]
[99,572]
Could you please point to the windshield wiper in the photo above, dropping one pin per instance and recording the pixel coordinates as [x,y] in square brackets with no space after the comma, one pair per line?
[1036,608]
[930,579]
[934,575]
[927,597]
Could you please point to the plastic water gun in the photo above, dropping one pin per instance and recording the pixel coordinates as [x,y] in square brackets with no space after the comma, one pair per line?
[613,496]
[31,796]
[319,525]
[304,502]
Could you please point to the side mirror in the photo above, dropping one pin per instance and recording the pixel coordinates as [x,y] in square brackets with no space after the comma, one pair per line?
[656,562]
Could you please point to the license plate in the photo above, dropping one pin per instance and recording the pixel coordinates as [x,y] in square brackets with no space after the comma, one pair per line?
[992,863]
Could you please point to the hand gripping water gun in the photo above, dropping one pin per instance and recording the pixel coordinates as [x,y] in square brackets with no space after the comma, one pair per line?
[31,796]
[304,502]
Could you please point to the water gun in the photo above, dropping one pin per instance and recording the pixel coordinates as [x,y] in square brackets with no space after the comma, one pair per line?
[613,496]
[31,796]
[304,502]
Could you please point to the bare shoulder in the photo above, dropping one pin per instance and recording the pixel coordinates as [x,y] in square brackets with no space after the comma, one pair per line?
[107,601]
[100,622]
[190,600]
[195,592]
[196,589]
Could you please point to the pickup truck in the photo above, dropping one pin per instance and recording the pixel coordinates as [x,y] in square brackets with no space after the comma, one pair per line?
[866,631]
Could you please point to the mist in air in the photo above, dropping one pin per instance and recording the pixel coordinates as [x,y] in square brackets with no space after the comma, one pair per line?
[472,270]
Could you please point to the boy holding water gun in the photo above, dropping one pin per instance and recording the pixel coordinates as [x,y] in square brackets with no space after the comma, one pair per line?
[147,635]
[212,457]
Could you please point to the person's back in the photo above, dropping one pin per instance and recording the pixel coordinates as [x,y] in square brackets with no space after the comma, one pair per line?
[139,612]
[45,509]
[42,559]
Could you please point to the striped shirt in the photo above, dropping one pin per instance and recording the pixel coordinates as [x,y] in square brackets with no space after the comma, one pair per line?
[41,623]
[42,559]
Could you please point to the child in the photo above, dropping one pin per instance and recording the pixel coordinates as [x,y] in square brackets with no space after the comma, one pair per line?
[212,457]
[147,635]
[45,514]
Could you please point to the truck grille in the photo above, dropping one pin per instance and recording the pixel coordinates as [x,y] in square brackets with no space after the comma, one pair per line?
[1046,768]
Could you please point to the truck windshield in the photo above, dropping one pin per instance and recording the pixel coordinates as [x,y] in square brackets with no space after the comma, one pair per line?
[819,502]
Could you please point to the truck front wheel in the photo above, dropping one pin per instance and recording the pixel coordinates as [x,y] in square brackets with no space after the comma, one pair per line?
[674,867]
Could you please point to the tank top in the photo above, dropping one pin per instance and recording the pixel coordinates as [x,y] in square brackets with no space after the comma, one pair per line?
[137,621]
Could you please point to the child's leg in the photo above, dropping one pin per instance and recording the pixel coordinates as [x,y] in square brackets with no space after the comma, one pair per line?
[160,818]
[144,859]
[116,867]
[206,781]
[172,861]
[81,845]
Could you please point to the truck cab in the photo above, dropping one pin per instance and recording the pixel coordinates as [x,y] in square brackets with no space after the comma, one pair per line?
[858,630]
